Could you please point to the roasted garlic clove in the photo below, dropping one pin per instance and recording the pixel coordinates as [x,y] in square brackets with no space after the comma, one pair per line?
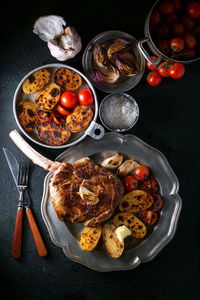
[128,166]
[88,196]
[112,162]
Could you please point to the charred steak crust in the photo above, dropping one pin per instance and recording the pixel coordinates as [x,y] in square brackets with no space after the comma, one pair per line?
[68,204]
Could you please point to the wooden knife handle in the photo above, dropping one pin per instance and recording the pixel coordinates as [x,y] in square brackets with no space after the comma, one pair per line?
[41,249]
[17,241]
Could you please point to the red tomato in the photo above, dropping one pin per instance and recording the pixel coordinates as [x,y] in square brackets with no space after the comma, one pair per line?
[157,202]
[150,185]
[177,70]
[163,31]
[85,97]
[155,17]
[141,172]
[177,44]
[154,78]
[197,30]
[58,118]
[188,23]
[148,216]
[178,29]
[177,5]
[68,99]
[163,46]
[190,41]
[63,111]
[149,65]
[130,183]
[166,7]
[193,10]
[44,116]
[190,53]
[163,69]
[172,18]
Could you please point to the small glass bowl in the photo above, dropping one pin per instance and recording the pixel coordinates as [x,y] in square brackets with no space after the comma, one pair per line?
[102,114]
[122,86]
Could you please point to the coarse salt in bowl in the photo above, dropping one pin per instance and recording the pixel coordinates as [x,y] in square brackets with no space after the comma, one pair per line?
[119,112]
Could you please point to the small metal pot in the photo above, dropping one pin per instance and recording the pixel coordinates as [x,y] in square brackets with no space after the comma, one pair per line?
[152,46]
[94,129]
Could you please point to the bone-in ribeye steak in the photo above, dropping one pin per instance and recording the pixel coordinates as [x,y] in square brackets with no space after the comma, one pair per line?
[65,185]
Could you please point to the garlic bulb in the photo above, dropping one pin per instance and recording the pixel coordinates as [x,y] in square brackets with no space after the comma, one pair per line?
[62,43]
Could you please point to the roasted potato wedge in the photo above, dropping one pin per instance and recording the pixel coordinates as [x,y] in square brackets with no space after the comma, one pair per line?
[90,237]
[67,79]
[36,81]
[80,118]
[128,166]
[48,98]
[52,133]
[134,201]
[113,245]
[137,228]
[27,114]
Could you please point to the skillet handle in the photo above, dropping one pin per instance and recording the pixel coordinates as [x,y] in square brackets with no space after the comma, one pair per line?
[41,249]
[145,53]
[95,130]
[17,241]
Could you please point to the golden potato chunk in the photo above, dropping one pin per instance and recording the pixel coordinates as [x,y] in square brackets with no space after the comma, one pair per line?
[137,228]
[27,114]
[80,118]
[36,81]
[67,79]
[53,134]
[48,98]
[113,245]
[90,237]
[135,201]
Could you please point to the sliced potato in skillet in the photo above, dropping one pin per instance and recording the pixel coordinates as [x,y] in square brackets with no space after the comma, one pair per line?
[67,79]
[36,81]
[80,118]
[48,98]
[27,114]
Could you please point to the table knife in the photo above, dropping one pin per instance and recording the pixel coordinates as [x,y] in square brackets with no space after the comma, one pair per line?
[41,249]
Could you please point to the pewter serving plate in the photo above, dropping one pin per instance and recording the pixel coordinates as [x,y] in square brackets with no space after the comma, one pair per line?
[66,235]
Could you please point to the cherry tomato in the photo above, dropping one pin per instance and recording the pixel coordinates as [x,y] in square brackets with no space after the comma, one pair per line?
[163,46]
[177,44]
[157,202]
[69,99]
[166,8]
[178,29]
[190,53]
[155,17]
[149,65]
[193,10]
[163,31]
[58,118]
[177,5]
[163,69]
[150,185]
[154,78]
[172,18]
[85,97]
[148,216]
[130,183]
[177,70]
[63,111]
[197,30]
[190,41]
[44,116]
[141,173]
[188,23]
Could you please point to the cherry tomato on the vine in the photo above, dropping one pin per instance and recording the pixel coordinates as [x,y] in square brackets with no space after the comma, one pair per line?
[177,44]
[130,183]
[149,65]
[163,69]
[190,41]
[177,70]
[154,78]
[141,173]
[150,185]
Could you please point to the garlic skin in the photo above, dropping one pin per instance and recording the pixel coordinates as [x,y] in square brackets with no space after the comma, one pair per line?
[62,43]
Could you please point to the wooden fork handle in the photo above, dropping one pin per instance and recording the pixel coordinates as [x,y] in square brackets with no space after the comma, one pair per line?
[17,241]
[41,249]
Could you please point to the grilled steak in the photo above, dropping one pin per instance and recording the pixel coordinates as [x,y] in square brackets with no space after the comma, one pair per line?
[66,182]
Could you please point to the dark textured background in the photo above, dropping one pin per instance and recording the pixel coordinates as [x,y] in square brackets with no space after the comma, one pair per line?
[169,121]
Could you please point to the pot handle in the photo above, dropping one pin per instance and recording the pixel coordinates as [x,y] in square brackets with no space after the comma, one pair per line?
[95,130]
[145,53]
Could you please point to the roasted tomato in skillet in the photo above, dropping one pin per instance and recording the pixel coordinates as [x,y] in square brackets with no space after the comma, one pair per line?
[130,183]
[44,116]
[148,216]
[58,118]
[63,111]
[150,185]
[141,173]
[157,202]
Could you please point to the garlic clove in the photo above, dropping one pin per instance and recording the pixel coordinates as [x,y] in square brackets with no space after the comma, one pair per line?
[88,196]
[128,166]
[112,162]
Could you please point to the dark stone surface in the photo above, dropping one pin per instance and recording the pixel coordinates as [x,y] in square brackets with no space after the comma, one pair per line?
[169,121]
